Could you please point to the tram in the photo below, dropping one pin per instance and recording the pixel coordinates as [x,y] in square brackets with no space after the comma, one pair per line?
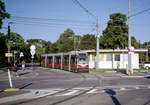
[74,61]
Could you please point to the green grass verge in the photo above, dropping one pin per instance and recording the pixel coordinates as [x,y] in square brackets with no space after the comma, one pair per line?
[104,70]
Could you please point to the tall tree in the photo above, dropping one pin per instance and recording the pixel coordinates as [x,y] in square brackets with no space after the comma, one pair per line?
[115,34]
[88,41]
[3,47]
[65,41]
[3,13]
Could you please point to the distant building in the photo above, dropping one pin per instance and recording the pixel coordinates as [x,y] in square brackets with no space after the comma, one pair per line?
[111,59]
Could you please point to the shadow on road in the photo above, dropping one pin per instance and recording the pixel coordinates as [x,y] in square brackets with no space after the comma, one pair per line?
[147,102]
[112,93]
[24,73]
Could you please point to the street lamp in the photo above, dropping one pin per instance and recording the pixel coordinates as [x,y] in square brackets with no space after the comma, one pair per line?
[9,40]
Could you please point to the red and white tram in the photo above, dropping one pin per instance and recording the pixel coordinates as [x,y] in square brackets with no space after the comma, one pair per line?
[74,61]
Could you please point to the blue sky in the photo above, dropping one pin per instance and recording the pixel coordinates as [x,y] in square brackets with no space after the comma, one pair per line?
[62,14]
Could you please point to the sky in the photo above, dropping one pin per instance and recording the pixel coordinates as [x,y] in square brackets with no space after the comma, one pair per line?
[47,19]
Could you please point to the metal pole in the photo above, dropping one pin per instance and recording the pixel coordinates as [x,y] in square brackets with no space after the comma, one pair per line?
[130,70]
[69,62]
[61,65]
[8,42]
[10,80]
[147,52]
[97,45]
[32,62]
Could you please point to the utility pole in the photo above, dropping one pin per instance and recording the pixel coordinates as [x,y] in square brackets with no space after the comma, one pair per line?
[130,69]
[97,44]
[147,51]
[9,41]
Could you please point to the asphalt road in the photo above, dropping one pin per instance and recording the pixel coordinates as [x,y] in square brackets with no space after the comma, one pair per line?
[57,87]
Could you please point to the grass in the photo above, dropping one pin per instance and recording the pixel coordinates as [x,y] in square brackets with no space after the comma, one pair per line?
[102,70]
[120,70]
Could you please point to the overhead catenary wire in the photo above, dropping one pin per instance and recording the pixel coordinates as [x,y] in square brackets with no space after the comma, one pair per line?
[48,23]
[85,9]
[48,19]
[140,12]
[51,22]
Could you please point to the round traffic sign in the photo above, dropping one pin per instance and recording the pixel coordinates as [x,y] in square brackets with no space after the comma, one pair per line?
[131,49]
[32,47]
[32,52]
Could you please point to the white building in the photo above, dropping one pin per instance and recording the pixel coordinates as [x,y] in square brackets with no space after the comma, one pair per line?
[111,59]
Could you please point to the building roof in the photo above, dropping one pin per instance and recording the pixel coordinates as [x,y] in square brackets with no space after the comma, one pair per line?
[101,51]
[116,50]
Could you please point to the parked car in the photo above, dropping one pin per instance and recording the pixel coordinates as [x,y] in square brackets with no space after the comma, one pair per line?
[146,65]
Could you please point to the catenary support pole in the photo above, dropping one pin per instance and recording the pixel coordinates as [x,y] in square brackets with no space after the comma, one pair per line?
[130,69]
[97,45]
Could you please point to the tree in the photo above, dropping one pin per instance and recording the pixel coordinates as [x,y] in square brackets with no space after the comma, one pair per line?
[65,41]
[42,47]
[147,46]
[48,47]
[115,34]
[88,41]
[3,13]
[3,47]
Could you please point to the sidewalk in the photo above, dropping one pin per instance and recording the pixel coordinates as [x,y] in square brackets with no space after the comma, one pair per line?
[136,74]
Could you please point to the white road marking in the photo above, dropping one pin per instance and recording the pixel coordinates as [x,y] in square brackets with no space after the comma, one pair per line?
[122,89]
[82,88]
[92,91]
[72,92]
[137,88]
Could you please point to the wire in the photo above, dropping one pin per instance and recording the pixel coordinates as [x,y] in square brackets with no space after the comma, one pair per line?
[46,19]
[47,23]
[85,9]
[53,26]
[138,13]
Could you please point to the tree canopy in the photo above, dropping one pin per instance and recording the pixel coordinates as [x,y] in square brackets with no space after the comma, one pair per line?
[115,34]
[3,13]
[88,41]
[65,41]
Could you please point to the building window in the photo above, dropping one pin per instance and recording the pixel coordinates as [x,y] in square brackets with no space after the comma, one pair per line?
[109,57]
[117,57]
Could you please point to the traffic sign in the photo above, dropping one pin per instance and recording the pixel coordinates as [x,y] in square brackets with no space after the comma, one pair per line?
[131,49]
[21,54]
[8,54]
[32,47]
[32,50]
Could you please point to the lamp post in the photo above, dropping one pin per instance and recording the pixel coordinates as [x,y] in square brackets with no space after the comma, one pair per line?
[9,40]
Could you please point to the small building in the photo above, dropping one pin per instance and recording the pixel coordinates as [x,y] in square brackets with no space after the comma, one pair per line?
[112,59]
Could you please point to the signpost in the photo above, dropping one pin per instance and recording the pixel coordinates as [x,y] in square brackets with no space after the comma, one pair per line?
[32,51]
[8,54]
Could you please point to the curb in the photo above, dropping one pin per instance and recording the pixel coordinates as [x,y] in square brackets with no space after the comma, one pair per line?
[110,71]
[135,76]
[11,89]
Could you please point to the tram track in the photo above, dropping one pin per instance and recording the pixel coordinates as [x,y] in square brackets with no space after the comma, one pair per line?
[83,77]
[82,93]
